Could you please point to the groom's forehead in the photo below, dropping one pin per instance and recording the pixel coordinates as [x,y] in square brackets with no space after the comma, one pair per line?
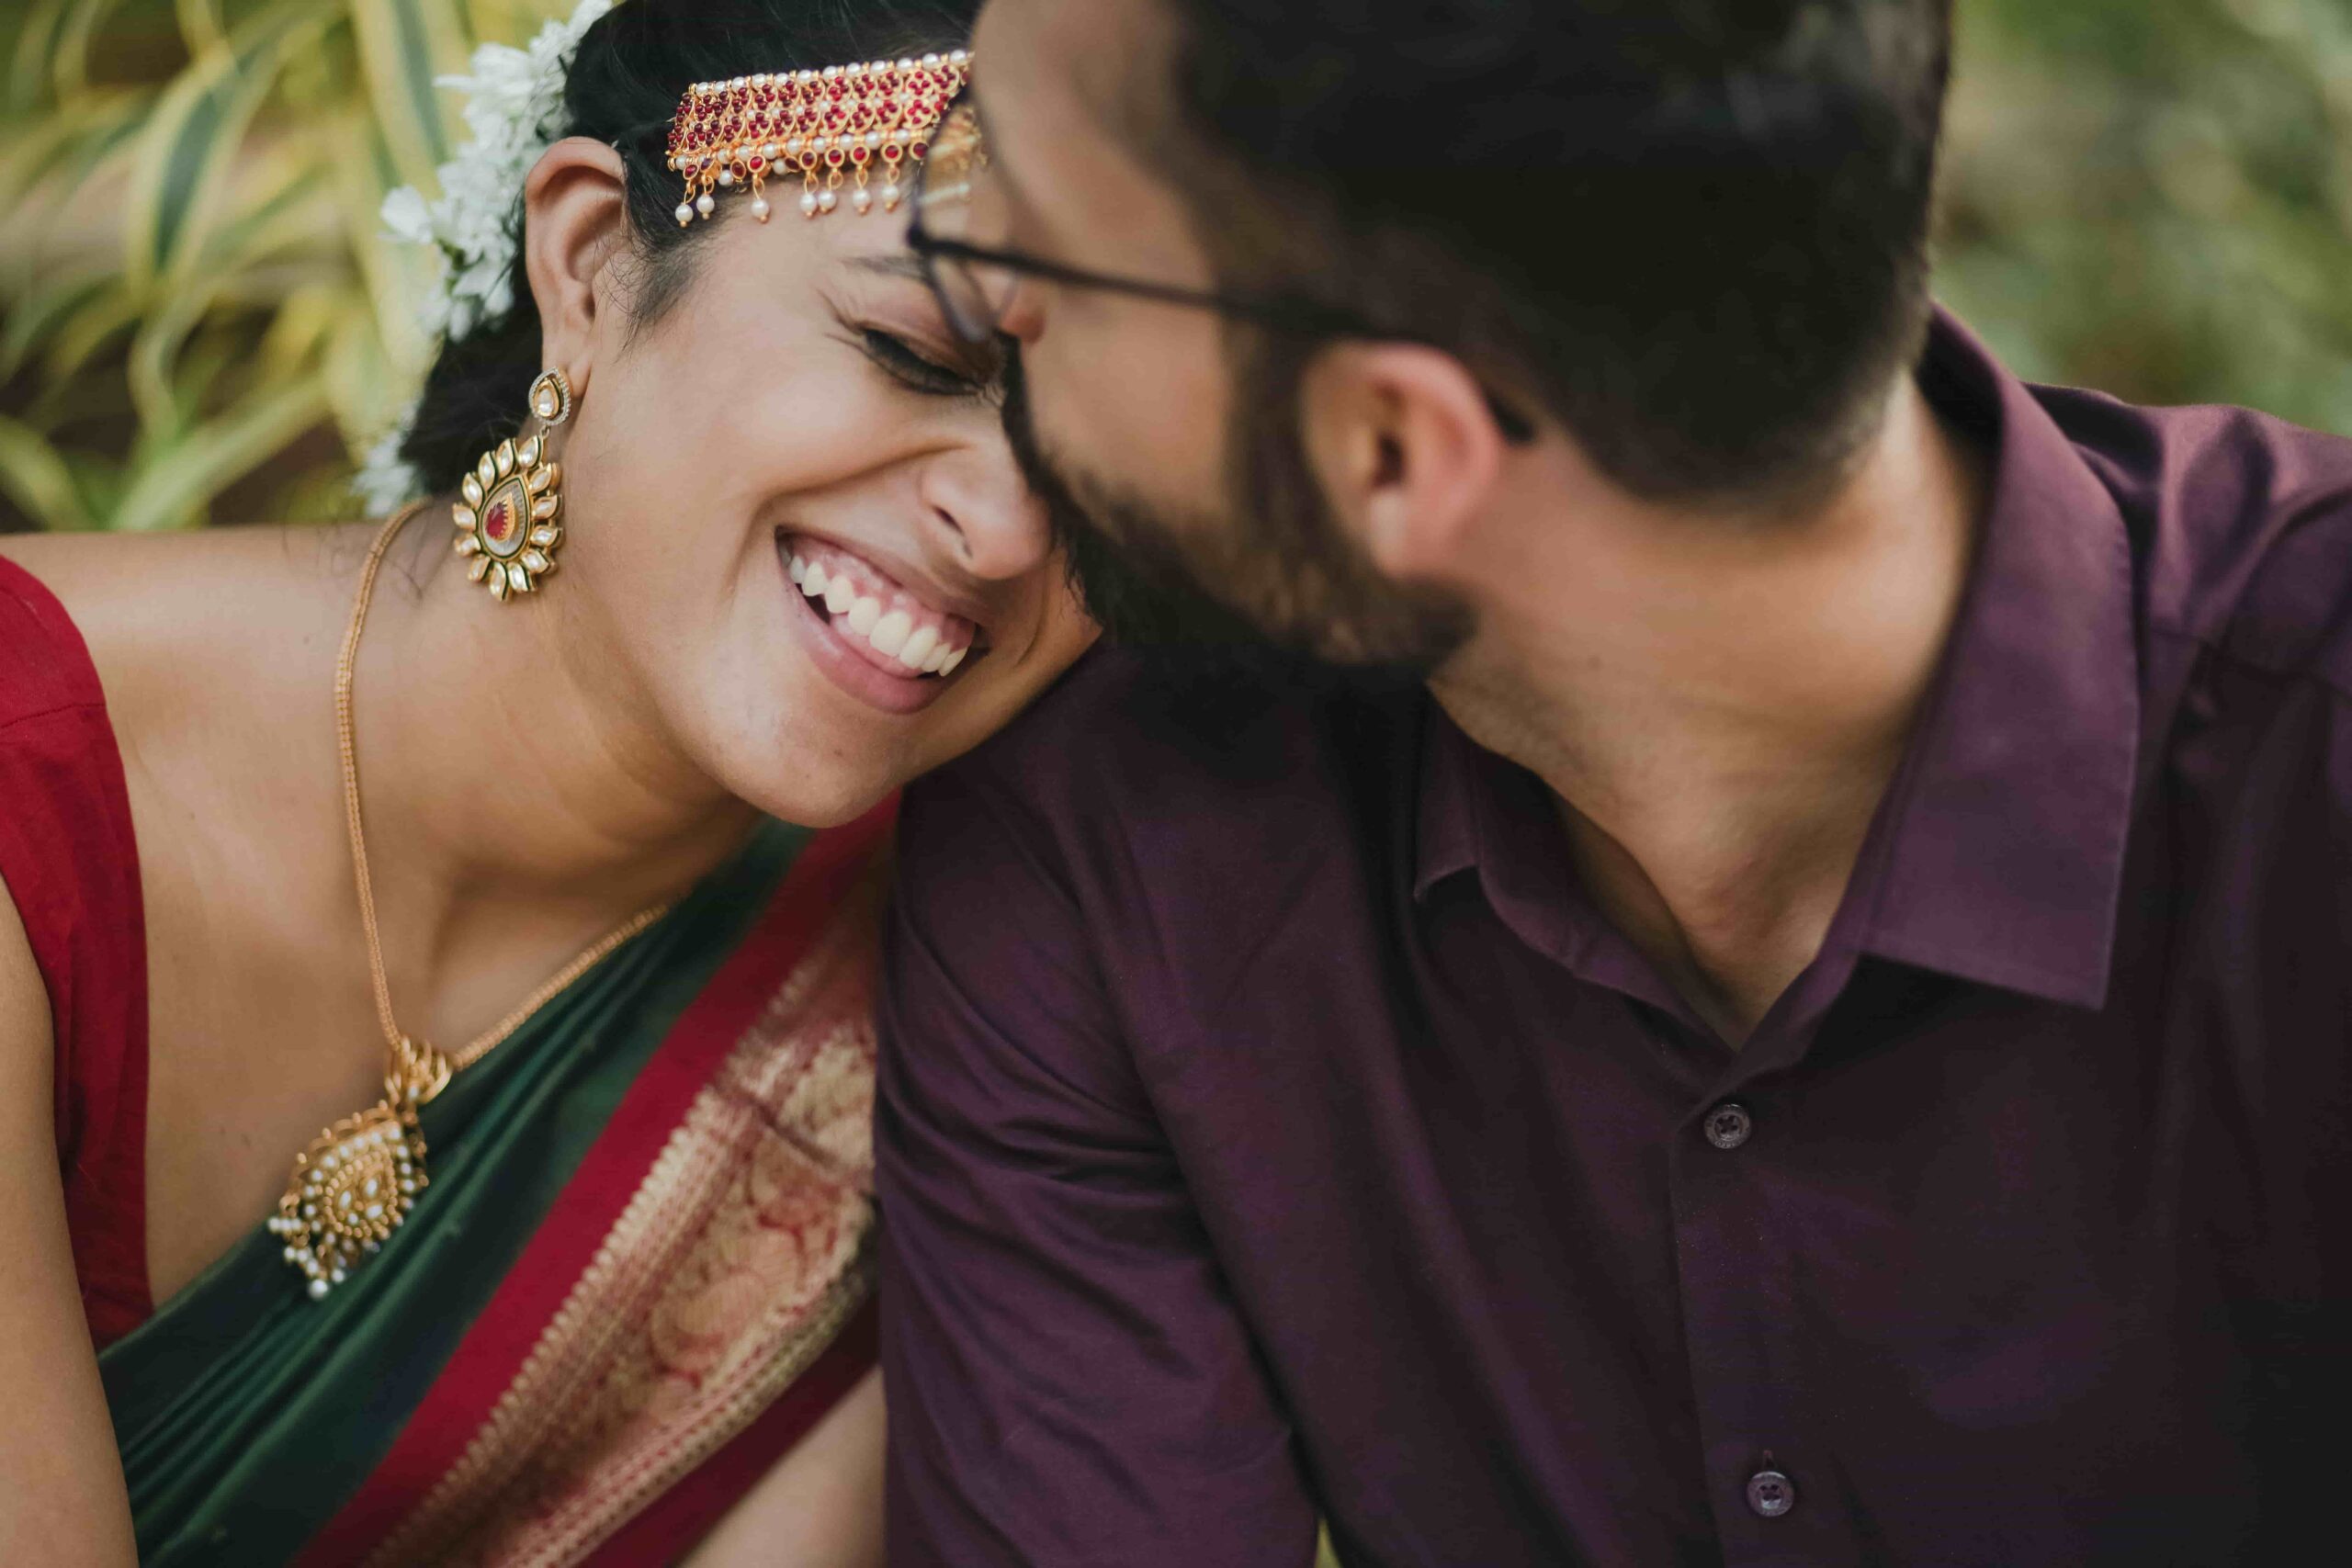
[1077,109]
[1105,64]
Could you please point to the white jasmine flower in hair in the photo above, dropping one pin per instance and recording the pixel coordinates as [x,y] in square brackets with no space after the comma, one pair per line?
[386,481]
[406,217]
[514,111]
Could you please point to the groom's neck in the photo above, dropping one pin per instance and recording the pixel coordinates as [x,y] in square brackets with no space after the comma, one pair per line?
[1719,700]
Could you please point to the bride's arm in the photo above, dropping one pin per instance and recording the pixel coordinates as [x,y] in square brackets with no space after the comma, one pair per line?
[820,1506]
[61,1499]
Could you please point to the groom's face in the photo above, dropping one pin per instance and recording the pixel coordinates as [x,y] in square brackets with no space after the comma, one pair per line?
[1173,429]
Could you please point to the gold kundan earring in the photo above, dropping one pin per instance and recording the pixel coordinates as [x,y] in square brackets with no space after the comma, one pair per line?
[507,520]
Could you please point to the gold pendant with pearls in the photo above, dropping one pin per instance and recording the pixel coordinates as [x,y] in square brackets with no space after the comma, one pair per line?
[358,1180]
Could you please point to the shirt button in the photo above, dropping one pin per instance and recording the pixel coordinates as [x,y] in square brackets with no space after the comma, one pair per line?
[1771,1493]
[1728,1124]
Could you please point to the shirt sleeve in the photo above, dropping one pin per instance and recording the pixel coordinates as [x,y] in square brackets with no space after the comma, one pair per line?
[1069,1380]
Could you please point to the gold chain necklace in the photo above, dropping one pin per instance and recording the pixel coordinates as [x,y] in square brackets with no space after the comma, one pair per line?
[358,1180]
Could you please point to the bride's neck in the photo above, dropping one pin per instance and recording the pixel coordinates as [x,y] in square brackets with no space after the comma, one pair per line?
[507,761]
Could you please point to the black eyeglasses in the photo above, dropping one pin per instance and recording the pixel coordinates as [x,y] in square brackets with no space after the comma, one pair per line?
[975,283]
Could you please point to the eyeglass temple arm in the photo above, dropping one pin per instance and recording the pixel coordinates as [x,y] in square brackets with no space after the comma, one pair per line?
[1285,315]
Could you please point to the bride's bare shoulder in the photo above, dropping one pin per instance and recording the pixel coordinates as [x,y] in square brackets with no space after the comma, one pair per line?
[201,571]
[101,567]
[159,610]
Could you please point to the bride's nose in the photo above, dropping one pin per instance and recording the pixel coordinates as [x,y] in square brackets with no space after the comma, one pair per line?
[998,530]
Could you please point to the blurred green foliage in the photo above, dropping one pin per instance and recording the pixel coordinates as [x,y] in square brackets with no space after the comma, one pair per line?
[200,315]
[2154,198]
[199,318]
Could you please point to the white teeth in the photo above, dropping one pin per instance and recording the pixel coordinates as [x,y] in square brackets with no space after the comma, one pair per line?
[889,634]
[918,646]
[892,634]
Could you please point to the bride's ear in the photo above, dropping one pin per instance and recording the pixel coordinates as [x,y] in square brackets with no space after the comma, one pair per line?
[575,207]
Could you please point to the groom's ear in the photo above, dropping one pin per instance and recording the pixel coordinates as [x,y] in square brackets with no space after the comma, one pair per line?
[575,208]
[1405,443]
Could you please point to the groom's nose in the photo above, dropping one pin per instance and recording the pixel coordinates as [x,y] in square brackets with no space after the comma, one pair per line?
[1022,317]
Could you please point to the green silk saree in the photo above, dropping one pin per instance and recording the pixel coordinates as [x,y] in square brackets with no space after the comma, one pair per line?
[637,1275]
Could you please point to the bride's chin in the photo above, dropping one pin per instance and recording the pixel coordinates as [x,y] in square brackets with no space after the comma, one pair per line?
[821,803]
[817,759]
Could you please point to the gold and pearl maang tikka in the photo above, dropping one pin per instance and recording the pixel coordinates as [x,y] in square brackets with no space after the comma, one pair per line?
[832,126]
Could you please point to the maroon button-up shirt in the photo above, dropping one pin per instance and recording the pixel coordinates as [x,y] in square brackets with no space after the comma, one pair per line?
[1270,1125]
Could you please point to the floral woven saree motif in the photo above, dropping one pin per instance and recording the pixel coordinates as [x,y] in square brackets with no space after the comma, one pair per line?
[735,1264]
[648,1242]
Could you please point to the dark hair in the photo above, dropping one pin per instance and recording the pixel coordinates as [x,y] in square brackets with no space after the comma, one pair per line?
[1694,228]
[625,82]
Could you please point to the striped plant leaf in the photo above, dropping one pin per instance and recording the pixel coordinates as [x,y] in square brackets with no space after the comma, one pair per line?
[299,333]
[58,151]
[363,390]
[403,45]
[206,376]
[36,478]
[101,480]
[86,329]
[77,28]
[33,318]
[280,199]
[202,25]
[29,60]
[368,173]
[284,200]
[185,152]
[390,279]
[175,487]
[511,21]
[256,294]
[154,354]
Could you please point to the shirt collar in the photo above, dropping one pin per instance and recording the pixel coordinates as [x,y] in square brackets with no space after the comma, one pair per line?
[1446,836]
[1998,852]
[2005,831]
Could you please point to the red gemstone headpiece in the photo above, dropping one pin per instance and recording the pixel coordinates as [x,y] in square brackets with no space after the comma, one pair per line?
[840,125]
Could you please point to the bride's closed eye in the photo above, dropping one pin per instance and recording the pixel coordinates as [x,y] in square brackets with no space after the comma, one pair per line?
[919,371]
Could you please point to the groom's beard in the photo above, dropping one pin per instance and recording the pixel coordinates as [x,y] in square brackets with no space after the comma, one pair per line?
[1297,602]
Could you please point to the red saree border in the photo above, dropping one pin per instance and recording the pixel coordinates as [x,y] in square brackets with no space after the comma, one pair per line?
[492,1353]
[689,1510]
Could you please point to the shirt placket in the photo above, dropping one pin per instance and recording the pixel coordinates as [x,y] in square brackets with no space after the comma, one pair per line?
[1771,1478]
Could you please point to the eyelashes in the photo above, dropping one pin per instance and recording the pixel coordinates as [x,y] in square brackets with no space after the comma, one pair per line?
[917,371]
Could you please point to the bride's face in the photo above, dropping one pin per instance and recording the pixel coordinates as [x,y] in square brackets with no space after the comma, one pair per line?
[800,418]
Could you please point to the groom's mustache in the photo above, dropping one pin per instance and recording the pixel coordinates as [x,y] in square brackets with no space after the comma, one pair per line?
[1126,561]
[1119,554]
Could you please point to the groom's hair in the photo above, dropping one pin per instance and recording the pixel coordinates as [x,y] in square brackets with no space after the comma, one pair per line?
[1694,229]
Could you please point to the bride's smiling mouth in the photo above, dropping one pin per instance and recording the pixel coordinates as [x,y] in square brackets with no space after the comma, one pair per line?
[882,640]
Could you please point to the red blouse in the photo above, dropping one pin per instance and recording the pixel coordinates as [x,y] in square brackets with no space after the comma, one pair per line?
[70,862]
